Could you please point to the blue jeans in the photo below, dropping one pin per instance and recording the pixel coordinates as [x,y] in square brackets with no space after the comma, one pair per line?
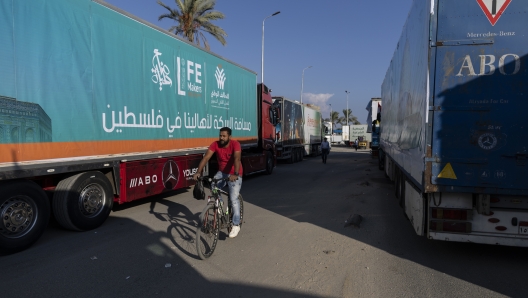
[234,191]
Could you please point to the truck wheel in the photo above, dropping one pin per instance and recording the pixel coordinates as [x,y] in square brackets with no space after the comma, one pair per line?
[83,202]
[291,159]
[301,154]
[25,212]
[269,163]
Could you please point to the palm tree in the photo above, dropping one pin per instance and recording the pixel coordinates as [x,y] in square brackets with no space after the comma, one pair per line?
[334,119]
[193,17]
[351,118]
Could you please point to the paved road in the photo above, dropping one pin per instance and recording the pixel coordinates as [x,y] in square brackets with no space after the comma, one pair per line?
[293,243]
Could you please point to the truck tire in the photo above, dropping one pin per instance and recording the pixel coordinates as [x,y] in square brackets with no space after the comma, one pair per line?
[83,202]
[291,158]
[25,213]
[299,155]
[269,163]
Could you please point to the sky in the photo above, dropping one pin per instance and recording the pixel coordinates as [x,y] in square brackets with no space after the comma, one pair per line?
[348,44]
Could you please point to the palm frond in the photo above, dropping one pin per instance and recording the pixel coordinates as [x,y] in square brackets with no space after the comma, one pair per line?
[193,18]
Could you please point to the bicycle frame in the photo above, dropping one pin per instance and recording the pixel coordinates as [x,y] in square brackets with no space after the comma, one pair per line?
[216,199]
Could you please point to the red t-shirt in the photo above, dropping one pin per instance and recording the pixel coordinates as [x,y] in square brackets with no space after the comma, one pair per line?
[226,157]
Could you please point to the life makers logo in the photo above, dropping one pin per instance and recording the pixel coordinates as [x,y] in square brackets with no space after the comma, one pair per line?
[160,71]
[188,75]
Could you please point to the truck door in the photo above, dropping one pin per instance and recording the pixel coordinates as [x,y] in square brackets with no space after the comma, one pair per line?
[480,135]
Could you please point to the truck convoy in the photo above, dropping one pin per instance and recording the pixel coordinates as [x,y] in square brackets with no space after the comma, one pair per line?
[99,107]
[298,129]
[453,137]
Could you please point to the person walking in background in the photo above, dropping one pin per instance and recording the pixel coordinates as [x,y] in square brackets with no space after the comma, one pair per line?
[356,144]
[325,148]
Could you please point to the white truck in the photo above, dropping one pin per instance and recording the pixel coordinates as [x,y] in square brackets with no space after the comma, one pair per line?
[359,131]
[329,134]
[373,108]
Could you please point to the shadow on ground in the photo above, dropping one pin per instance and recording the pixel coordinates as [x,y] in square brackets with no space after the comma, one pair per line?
[326,195]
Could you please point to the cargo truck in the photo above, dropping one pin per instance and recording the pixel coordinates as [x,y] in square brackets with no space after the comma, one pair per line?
[373,108]
[453,135]
[345,134]
[298,129]
[328,130]
[356,131]
[99,107]
[374,121]
[331,133]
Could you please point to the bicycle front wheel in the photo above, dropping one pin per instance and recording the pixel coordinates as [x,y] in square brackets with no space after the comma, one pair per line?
[207,232]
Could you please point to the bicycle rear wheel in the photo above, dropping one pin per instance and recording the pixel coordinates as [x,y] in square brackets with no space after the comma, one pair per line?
[207,232]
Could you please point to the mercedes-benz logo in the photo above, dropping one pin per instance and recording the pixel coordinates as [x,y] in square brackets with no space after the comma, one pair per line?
[170,174]
[487,141]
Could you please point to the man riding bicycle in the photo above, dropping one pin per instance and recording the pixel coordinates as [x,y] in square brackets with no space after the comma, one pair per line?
[228,153]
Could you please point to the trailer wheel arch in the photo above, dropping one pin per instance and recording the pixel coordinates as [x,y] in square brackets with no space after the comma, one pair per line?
[25,207]
[83,202]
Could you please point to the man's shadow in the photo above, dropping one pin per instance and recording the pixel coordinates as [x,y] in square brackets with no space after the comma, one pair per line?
[182,228]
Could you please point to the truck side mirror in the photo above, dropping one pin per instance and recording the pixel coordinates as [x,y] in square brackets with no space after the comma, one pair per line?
[274,115]
[271,115]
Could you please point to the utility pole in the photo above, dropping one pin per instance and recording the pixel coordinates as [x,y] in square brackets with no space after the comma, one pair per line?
[347,92]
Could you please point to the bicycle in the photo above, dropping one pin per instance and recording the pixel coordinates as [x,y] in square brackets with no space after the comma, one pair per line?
[214,218]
